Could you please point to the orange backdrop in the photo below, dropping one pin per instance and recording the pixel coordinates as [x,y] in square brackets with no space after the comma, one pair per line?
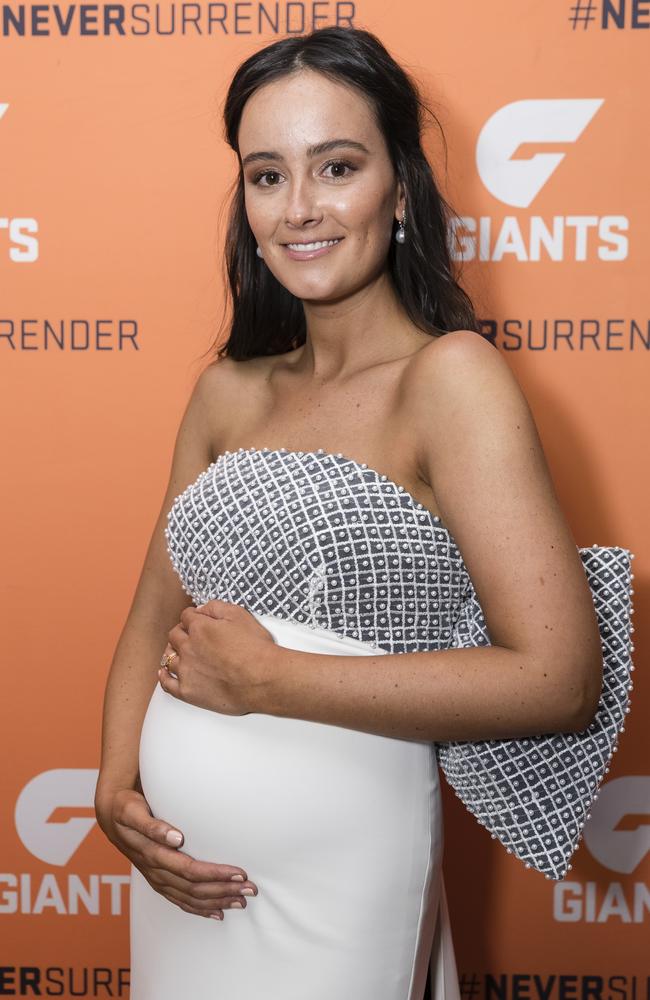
[114,179]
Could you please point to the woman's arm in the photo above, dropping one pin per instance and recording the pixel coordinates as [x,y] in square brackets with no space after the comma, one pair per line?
[122,812]
[480,451]
[131,681]
[157,604]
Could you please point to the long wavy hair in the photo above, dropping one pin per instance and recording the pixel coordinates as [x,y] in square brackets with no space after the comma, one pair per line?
[266,317]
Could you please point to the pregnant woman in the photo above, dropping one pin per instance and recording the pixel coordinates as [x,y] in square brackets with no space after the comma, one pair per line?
[349,463]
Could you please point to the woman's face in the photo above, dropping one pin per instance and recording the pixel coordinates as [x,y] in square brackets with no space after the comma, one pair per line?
[294,195]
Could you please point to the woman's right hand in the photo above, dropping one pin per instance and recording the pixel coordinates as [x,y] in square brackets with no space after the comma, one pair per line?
[151,844]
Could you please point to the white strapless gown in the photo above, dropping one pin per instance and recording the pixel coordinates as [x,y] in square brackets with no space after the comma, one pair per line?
[341,831]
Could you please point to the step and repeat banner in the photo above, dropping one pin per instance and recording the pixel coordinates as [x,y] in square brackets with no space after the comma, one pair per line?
[114,186]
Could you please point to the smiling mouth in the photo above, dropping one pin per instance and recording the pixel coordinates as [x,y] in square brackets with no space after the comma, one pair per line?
[316,245]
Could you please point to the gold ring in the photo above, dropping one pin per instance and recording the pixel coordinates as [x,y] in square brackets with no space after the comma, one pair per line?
[167,658]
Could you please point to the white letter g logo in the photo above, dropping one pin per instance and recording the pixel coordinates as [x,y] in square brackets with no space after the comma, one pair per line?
[55,842]
[518,182]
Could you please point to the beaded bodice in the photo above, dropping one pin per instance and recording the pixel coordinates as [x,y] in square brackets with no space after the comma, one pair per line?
[321,539]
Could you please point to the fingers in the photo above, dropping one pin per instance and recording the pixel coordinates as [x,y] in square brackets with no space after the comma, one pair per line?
[169,657]
[200,887]
[198,881]
[213,609]
[204,892]
[168,682]
[202,899]
[161,832]
[187,615]
[132,810]
[174,897]
[216,609]
[133,814]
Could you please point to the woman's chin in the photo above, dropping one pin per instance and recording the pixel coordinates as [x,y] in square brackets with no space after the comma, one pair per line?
[319,291]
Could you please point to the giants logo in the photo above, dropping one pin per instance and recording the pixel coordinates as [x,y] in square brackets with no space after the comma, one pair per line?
[51,841]
[54,839]
[618,836]
[517,182]
[618,832]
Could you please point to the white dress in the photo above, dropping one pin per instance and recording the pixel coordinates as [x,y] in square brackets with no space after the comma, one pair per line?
[341,830]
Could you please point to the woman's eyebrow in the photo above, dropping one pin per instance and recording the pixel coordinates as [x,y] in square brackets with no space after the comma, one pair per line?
[319,147]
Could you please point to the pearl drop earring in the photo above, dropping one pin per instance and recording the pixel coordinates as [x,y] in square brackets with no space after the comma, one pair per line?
[259,251]
[400,235]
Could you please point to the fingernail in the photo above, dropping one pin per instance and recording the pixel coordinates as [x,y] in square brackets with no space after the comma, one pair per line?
[217,916]
[238,904]
[174,837]
[248,892]
[237,878]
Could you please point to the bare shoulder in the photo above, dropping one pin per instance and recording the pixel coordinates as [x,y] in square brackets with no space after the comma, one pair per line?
[454,364]
[461,384]
[222,389]
[223,375]
[466,403]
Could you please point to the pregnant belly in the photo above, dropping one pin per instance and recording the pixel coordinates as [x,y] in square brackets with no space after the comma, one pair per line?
[270,793]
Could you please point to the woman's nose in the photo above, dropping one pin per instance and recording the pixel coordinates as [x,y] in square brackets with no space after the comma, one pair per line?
[302,204]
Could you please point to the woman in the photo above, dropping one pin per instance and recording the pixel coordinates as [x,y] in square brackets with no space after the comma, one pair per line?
[354,436]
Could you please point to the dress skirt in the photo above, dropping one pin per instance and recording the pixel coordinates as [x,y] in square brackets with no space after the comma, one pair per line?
[341,831]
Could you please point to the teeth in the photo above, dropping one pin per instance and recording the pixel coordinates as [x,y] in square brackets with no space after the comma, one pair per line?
[312,246]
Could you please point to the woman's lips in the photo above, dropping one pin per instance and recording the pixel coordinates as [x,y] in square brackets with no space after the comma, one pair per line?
[310,254]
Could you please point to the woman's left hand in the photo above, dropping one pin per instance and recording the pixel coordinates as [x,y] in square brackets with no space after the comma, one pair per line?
[225,659]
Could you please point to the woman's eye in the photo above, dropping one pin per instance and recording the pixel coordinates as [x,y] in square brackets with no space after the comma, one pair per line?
[339,165]
[265,173]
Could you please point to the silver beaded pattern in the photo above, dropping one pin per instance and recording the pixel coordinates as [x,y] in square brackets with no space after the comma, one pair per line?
[534,794]
[320,539]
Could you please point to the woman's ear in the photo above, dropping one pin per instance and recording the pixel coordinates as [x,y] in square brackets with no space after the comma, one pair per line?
[401,201]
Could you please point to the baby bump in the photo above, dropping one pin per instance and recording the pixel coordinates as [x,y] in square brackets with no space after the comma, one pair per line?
[270,793]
